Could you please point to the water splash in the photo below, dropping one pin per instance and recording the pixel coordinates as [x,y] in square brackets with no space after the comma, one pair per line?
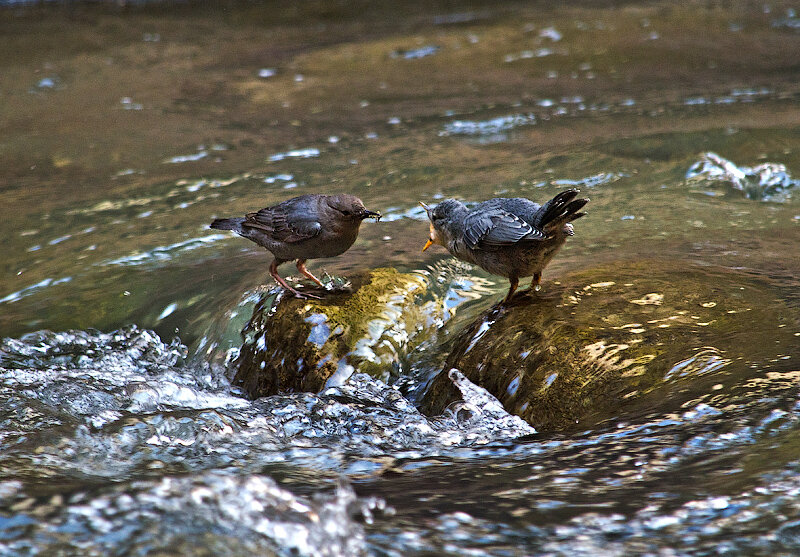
[248,514]
[592,181]
[307,153]
[178,159]
[125,406]
[764,182]
[488,127]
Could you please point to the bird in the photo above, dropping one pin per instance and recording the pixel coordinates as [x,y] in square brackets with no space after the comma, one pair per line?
[510,237]
[306,227]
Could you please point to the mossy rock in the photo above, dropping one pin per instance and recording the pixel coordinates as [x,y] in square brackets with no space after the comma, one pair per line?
[293,345]
[616,341]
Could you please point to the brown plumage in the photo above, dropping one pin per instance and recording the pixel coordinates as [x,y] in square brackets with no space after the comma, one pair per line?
[302,228]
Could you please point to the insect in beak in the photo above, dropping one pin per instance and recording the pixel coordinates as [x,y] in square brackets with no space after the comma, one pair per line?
[372,214]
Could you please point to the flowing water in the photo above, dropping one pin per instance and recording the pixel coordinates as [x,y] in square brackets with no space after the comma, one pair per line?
[126,130]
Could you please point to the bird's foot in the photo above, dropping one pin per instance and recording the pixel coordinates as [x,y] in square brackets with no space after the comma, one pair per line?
[535,286]
[285,285]
[306,296]
[302,295]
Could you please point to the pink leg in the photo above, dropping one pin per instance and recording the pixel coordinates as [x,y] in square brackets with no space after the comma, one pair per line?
[301,266]
[273,270]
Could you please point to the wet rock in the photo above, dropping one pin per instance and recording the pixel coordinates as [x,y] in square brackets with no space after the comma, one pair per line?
[293,345]
[619,341]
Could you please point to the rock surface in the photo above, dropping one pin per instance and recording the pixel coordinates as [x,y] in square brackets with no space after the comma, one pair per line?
[610,342]
[293,345]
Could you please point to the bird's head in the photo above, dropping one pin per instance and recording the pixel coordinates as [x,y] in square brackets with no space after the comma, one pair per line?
[351,208]
[440,218]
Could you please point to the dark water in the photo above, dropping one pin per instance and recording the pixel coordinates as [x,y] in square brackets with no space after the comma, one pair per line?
[126,130]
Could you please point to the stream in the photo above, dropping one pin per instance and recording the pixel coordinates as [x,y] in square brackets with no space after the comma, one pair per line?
[127,128]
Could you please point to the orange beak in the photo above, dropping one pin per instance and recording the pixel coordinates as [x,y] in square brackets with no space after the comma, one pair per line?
[429,243]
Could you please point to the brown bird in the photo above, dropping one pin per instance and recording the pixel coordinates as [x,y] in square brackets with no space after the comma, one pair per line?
[302,228]
[510,237]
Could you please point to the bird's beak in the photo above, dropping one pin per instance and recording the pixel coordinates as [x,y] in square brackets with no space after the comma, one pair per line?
[371,214]
[428,244]
[427,209]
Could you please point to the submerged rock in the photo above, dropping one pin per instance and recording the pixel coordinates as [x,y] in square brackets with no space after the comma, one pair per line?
[617,341]
[293,345]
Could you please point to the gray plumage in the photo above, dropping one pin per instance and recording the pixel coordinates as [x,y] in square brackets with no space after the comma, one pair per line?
[510,237]
[310,226]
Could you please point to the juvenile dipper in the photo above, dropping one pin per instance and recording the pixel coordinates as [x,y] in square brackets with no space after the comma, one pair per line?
[510,237]
[305,227]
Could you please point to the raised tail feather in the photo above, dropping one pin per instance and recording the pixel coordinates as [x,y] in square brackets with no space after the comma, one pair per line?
[560,210]
[234,224]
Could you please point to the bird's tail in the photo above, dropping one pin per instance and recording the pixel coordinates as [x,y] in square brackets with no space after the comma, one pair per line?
[234,224]
[560,210]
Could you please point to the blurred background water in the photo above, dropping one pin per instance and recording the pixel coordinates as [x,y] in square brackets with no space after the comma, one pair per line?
[126,128]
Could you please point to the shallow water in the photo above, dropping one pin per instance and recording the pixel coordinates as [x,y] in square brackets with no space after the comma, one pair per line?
[128,130]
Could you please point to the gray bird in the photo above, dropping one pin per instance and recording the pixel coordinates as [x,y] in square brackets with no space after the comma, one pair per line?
[302,228]
[510,237]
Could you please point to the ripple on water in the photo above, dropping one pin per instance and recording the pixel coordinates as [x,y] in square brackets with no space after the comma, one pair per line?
[306,153]
[416,53]
[488,131]
[33,288]
[165,253]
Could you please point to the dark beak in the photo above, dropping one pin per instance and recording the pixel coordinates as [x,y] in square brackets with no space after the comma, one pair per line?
[371,214]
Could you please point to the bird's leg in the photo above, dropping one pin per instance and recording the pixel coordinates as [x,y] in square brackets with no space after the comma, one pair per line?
[537,277]
[301,266]
[514,283]
[273,270]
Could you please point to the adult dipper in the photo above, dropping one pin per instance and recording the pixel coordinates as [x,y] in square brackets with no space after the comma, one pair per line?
[510,237]
[305,227]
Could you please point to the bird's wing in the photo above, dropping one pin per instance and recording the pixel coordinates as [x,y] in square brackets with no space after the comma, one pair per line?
[284,224]
[496,227]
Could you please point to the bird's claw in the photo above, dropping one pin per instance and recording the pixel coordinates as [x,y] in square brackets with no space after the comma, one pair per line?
[302,296]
